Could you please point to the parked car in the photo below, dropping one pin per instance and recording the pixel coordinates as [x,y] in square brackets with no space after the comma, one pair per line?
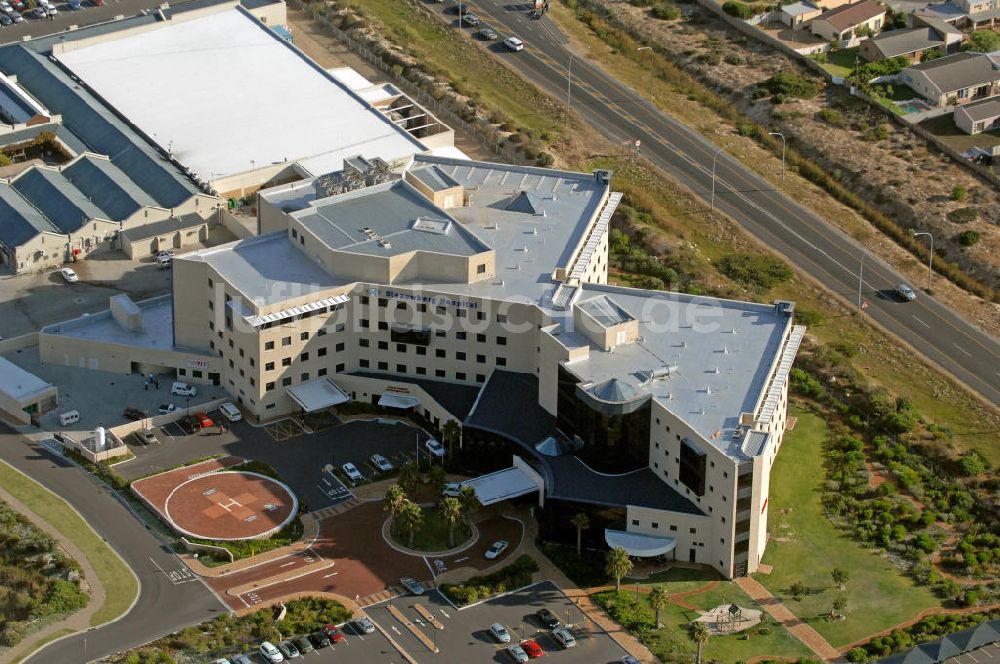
[133,414]
[39,12]
[319,639]
[452,490]
[564,637]
[547,618]
[183,390]
[240,659]
[68,274]
[204,420]
[5,20]
[364,625]
[288,649]
[166,253]
[496,549]
[412,585]
[629,659]
[303,644]
[145,437]
[52,11]
[97,3]
[16,17]
[19,5]
[230,412]
[469,19]
[488,34]
[382,464]
[500,633]
[513,44]
[334,633]
[517,653]
[166,408]
[434,447]
[532,648]
[5,7]
[270,653]
[74,5]
[906,292]
[352,472]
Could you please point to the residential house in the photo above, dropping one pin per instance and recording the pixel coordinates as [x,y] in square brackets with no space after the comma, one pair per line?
[914,42]
[954,79]
[979,13]
[979,116]
[797,14]
[849,22]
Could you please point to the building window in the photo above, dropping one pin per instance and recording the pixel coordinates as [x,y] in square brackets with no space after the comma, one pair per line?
[635,522]
[364,323]
[501,341]
[286,381]
[400,348]
[459,375]
[673,528]
[439,373]
[400,368]
[339,347]
[460,336]
[364,299]
[501,361]
[439,352]
[286,341]
[383,366]
[268,345]
[501,318]
[481,268]
[286,361]
[321,372]
[460,355]
[211,324]
[304,336]
[382,302]
[304,377]
[481,359]
[211,306]
[304,357]
[339,368]
[422,308]
[383,345]
[211,284]
[656,524]
[321,352]
[363,364]
[364,343]
[421,371]
[269,366]
[480,378]
[461,313]
[481,338]
[269,386]
[321,332]
[382,325]
[694,531]
[401,305]
[421,350]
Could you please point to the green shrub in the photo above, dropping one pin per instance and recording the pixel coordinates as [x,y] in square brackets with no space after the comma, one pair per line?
[833,117]
[743,10]
[963,215]
[808,317]
[972,464]
[758,270]
[665,12]
[984,41]
[967,238]
[789,84]
[513,576]
[958,193]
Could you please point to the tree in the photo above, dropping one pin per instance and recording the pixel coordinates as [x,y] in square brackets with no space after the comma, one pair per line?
[618,565]
[452,433]
[581,522]
[839,577]
[393,502]
[436,474]
[658,599]
[698,633]
[470,503]
[984,41]
[451,510]
[409,475]
[839,604]
[411,516]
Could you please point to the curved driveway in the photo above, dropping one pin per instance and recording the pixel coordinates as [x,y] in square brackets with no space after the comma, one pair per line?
[170,597]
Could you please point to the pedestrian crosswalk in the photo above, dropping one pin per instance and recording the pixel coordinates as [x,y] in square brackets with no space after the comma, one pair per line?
[339,508]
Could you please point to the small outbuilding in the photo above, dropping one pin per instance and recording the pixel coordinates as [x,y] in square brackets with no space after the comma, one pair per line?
[175,233]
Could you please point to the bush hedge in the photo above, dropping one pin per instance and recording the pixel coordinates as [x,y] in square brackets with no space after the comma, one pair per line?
[513,576]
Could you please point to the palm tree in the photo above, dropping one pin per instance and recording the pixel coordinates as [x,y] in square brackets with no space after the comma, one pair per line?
[409,474]
[619,564]
[395,499]
[452,433]
[412,516]
[658,599]
[581,522]
[698,633]
[451,511]
[470,503]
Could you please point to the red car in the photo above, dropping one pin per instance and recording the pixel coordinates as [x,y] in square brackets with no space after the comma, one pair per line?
[204,420]
[334,634]
[532,648]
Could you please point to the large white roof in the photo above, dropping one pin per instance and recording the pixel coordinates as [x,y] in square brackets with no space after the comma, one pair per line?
[221,91]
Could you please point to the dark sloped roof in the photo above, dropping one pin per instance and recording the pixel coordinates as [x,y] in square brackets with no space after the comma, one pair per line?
[62,203]
[847,16]
[508,405]
[163,226]
[961,70]
[457,399]
[108,187]
[901,42]
[983,109]
[523,202]
[934,652]
[19,220]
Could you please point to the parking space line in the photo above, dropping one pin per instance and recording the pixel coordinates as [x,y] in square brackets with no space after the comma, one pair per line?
[428,563]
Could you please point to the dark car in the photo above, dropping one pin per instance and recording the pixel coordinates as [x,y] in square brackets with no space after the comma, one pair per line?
[488,34]
[547,618]
[133,414]
[470,19]
[303,644]
[5,20]
[319,639]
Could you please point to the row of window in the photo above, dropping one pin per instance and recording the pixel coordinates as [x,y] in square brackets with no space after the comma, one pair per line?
[304,377]
[420,371]
[421,307]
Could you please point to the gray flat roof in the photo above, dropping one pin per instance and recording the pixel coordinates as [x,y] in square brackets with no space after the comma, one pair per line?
[267,269]
[19,384]
[157,329]
[720,353]
[396,212]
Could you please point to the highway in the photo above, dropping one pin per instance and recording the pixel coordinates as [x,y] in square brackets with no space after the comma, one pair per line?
[815,247]
[170,596]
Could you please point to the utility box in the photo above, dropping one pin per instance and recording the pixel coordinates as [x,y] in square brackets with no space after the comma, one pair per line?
[126,312]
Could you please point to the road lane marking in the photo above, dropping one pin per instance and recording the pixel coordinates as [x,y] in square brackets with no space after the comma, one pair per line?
[396,630]
[327,576]
[921,322]
[290,562]
[962,349]
[444,613]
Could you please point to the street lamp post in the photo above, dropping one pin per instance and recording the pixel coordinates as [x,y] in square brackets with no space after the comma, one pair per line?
[861,276]
[714,158]
[930,259]
[650,49]
[778,133]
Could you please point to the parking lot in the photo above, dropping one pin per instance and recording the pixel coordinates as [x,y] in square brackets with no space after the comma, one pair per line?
[356,648]
[88,14]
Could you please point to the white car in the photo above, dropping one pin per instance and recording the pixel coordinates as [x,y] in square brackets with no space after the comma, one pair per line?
[452,490]
[183,390]
[517,653]
[906,292]
[564,637]
[434,447]
[16,16]
[500,633]
[513,44]
[230,412]
[270,653]
[352,472]
[166,408]
[496,549]
[5,7]
[69,275]
[381,463]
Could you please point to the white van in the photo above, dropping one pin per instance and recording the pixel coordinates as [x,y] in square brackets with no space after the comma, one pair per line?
[183,390]
[230,412]
[69,417]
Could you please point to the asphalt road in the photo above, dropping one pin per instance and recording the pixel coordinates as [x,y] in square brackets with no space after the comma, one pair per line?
[815,247]
[170,596]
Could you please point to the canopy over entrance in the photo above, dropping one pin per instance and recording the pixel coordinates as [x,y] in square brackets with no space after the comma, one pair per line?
[504,485]
[318,395]
[403,402]
[639,545]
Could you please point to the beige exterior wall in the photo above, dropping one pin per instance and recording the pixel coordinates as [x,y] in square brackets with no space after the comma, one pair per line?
[822,28]
[175,239]
[118,358]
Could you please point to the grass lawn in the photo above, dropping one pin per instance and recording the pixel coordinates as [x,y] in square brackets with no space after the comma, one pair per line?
[805,547]
[433,534]
[842,62]
[676,579]
[120,585]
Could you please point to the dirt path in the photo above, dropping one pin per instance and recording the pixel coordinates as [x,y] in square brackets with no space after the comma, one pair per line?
[795,625]
[76,622]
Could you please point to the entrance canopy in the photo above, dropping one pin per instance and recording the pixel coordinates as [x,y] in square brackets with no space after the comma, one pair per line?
[318,395]
[403,402]
[503,485]
[639,545]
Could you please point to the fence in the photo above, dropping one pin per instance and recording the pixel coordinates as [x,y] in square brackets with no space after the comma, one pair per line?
[207,548]
[443,111]
[117,449]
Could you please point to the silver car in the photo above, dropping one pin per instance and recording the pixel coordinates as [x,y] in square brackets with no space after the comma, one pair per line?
[906,292]
[517,653]
[500,633]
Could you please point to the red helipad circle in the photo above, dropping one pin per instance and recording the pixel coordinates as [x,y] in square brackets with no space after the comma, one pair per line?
[236,505]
